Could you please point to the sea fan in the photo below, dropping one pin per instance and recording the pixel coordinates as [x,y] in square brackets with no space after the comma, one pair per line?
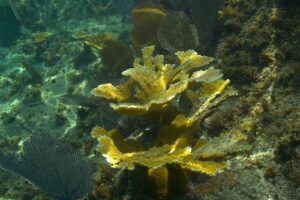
[53,166]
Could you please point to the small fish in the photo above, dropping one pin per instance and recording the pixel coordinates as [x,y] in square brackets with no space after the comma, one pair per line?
[77,99]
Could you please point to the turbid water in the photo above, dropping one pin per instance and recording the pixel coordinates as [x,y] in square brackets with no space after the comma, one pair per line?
[149,99]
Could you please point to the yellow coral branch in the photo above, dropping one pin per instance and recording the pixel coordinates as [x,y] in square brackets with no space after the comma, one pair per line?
[156,157]
[209,91]
[116,94]
[155,84]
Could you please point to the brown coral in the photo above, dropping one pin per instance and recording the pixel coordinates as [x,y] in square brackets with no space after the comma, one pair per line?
[146,20]
[114,53]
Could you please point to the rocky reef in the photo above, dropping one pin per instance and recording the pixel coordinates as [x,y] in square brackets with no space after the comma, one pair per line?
[166,99]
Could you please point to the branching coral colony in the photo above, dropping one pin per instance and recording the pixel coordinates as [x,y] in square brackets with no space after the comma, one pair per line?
[154,89]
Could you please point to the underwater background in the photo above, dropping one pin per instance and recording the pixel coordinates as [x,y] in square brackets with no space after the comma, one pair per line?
[150,99]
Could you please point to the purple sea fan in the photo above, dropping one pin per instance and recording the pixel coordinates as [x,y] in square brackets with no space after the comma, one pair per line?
[53,166]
